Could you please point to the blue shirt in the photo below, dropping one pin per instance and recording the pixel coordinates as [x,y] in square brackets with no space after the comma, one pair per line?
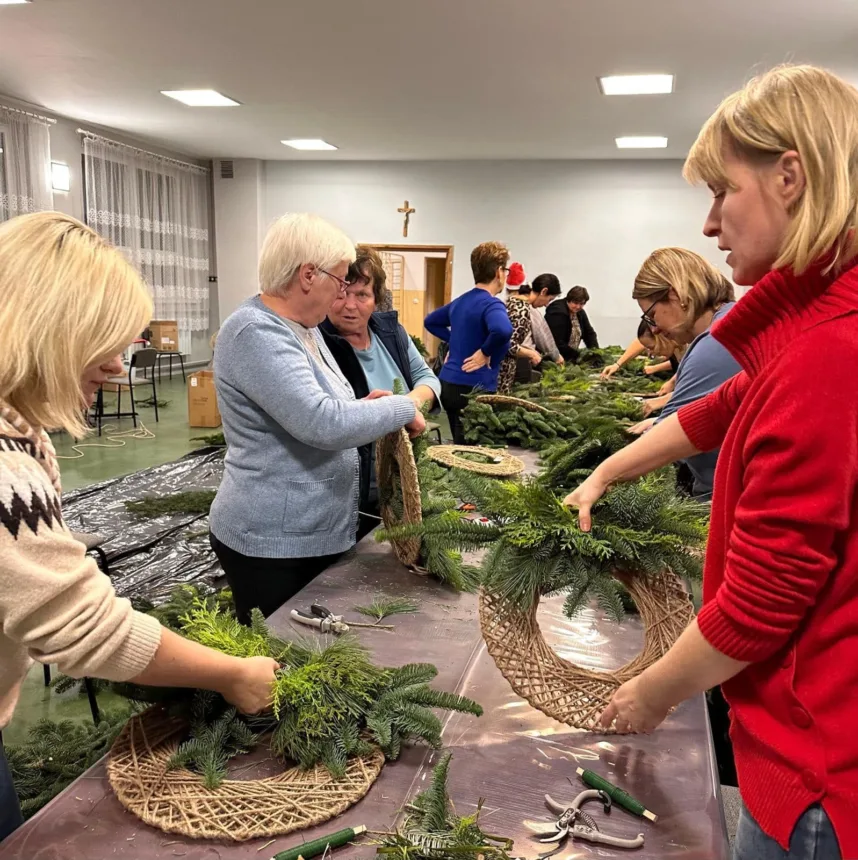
[705,366]
[475,321]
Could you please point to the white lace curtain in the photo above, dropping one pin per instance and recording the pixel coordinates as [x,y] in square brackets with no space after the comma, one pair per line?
[157,212]
[25,164]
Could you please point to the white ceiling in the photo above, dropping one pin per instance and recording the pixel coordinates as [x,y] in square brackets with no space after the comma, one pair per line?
[407,79]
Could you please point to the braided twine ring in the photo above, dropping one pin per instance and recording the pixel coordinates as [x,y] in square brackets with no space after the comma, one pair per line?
[560,689]
[394,463]
[501,464]
[177,801]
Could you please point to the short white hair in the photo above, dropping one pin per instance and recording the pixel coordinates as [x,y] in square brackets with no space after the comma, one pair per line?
[296,239]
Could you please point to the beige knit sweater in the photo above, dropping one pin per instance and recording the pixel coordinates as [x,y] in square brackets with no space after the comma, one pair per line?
[55,604]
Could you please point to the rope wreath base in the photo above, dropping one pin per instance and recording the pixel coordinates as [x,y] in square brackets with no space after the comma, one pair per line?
[507,467]
[560,689]
[176,801]
[394,463]
[504,400]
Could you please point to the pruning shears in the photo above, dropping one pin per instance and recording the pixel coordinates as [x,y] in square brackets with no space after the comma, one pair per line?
[577,824]
[321,618]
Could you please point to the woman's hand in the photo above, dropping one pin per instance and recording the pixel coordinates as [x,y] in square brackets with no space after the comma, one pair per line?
[417,425]
[376,393]
[533,355]
[650,369]
[640,429]
[475,362]
[249,689]
[654,404]
[584,498]
[632,710]
[609,371]
[560,360]
[668,387]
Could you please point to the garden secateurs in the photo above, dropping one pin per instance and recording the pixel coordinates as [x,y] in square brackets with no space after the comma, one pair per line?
[321,618]
[577,824]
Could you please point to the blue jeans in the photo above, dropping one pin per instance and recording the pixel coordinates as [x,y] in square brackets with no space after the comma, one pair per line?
[812,839]
[10,810]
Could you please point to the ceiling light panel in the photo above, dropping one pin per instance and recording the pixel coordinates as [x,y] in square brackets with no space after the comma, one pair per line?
[14,2]
[310,145]
[641,142]
[199,98]
[636,85]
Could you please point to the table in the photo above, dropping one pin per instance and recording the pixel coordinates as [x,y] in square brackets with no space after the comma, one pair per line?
[511,756]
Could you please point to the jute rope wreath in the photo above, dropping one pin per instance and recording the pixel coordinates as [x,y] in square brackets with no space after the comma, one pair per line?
[560,689]
[395,466]
[176,801]
[500,464]
[503,400]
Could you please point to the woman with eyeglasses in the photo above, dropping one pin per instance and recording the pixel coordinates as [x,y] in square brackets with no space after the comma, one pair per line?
[288,503]
[373,350]
[477,328]
[682,296]
[780,591]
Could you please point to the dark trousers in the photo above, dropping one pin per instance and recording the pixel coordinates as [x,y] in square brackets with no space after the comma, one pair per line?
[454,400]
[266,583]
[10,809]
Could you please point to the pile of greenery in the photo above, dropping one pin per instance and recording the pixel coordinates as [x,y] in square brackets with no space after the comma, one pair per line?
[420,346]
[330,701]
[216,440]
[497,424]
[190,502]
[536,548]
[433,831]
[57,753]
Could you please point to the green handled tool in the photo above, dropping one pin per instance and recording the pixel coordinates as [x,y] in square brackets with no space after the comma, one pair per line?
[620,797]
[318,846]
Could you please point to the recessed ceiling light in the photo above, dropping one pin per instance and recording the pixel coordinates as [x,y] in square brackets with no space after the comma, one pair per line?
[636,85]
[313,144]
[200,98]
[641,142]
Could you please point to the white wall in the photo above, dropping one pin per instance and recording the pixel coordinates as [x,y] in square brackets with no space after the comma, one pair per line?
[415,268]
[589,222]
[240,228]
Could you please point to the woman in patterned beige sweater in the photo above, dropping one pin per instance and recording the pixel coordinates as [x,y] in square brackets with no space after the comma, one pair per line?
[69,305]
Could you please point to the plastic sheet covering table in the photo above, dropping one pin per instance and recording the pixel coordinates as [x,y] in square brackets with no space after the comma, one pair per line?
[512,756]
[150,557]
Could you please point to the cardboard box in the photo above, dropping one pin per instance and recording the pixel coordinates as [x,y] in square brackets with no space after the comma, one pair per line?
[202,400]
[165,335]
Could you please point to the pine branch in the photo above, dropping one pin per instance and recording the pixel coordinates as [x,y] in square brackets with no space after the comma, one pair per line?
[383,607]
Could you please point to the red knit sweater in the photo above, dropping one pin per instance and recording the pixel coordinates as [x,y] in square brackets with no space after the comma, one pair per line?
[781,580]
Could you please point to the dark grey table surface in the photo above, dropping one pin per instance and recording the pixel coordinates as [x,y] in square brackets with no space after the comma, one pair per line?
[510,757]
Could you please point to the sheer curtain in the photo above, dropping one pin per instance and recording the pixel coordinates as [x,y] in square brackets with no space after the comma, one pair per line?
[157,211]
[25,164]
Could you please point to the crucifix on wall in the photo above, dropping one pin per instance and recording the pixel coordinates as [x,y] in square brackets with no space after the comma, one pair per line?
[407,211]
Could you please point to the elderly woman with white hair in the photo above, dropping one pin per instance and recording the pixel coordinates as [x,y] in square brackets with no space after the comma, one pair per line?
[288,502]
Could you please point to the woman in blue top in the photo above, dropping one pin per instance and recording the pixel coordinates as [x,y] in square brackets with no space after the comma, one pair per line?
[477,328]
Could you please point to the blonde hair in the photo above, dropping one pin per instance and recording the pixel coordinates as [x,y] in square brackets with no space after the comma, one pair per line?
[68,300]
[293,241]
[698,284]
[815,113]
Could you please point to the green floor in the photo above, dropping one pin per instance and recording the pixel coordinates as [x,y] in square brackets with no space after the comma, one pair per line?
[172,440]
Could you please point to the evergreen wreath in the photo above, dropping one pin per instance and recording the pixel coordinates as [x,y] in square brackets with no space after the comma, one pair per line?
[336,718]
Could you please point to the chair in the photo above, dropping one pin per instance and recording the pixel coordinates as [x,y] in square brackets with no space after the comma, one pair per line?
[93,543]
[145,360]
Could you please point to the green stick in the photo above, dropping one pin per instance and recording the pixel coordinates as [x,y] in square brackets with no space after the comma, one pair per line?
[318,846]
[620,797]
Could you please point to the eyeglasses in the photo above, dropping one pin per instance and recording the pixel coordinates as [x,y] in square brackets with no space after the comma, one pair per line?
[647,316]
[362,297]
[343,284]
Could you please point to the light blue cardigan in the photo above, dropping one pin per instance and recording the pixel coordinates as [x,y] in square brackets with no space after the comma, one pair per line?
[290,486]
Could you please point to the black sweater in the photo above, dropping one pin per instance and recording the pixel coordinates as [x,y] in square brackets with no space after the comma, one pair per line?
[560,322]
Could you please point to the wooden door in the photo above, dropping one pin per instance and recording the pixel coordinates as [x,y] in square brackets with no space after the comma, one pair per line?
[436,279]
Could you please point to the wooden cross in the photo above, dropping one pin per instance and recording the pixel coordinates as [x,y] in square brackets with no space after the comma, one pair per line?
[407,211]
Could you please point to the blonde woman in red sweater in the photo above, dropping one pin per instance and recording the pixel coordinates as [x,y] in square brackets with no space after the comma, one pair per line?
[779,623]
